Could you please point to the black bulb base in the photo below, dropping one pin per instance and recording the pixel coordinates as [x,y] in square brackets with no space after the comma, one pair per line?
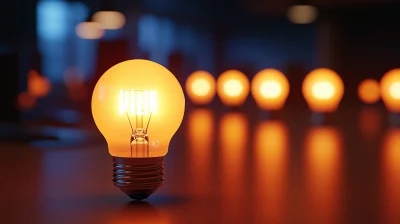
[138,177]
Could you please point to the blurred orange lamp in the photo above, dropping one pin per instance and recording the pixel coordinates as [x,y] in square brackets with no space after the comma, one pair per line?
[38,86]
[109,19]
[270,89]
[89,30]
[323,90]
[369,91]
[200,87]
[233,87]
[390,90]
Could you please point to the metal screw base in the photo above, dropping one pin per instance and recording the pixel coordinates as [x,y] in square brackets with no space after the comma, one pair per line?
[138,177]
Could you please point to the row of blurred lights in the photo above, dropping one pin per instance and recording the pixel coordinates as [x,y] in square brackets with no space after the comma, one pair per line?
[95,26]
[322,88]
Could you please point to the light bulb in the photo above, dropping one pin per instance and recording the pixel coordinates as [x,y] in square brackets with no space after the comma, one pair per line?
[138,105]
[369,91]
[390,90]
[233,88]
[109,20]
[323,90]
[270,89]
[89,30]
[200,87]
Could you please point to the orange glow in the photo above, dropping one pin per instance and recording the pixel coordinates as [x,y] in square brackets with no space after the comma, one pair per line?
[143,213]
[26,100]
[391,178]
[201,136]
[369,91]
[138,97]
[89,30]
[323,90]
[233,88]
[38,86]
[109,20]
[390,90]
[270,89]
[370,123]
[200,87]
[302,14]
[74,81]
[271,166]
[234,145]
[323,166]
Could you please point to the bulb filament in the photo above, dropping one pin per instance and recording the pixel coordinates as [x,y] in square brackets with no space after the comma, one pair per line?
[138,105]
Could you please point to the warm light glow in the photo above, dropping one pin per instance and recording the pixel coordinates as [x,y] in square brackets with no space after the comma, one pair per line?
[201,138]
[152,100]
[89,30]
[232,151]
[390,182]
[38,86]
[109,20]
[302,14]
[323,161]
[200,87]
[394,90]
[74,81]
[233,88]
[26,100]
[369,91]
[323,90]
[270,89]
[271,170]
[390,90]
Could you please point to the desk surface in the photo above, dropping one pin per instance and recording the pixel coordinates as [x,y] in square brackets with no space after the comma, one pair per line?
[223,167]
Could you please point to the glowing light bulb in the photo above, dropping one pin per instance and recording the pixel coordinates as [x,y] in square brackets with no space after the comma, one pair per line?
[200,87]
[390,90]
[89,30]
[369,91]
[138,105]
[323,90]
[109,20]
[233,88]
[270,89]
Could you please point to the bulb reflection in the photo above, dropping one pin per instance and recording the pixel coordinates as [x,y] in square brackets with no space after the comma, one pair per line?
[201,136]
[270,160]
[233,147]
[370,123]
[140,212]
[323,161]
[390,177]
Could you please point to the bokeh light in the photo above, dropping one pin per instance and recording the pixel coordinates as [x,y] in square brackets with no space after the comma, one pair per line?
[369,91]
[26,101]
[390,90]
[233,88]
[270,89]
[38,86]
[89,30]
[74,81]
[323,90]
[200,87]
[110,20]
[302,14]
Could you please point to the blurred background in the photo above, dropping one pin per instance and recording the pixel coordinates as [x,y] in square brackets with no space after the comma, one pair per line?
[52,52]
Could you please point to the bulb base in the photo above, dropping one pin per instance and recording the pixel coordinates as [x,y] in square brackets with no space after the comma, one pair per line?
[138,177]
